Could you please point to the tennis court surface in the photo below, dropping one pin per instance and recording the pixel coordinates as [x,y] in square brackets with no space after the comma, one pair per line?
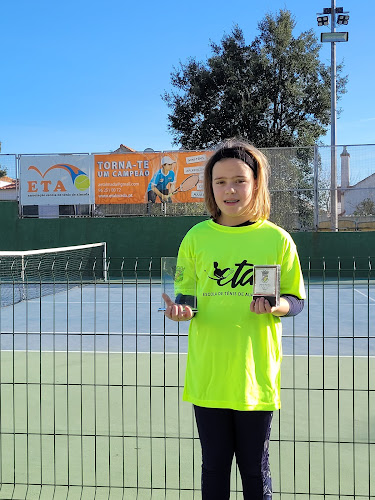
[91,379]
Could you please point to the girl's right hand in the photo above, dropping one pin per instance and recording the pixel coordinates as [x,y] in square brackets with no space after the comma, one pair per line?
[177,312]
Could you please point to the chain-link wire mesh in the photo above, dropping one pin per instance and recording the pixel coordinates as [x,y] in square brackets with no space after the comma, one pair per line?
[292,187]
[8,164]
[300,186]
[355,187]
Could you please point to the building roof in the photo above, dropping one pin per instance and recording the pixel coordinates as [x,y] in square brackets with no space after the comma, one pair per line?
[124,149]
[365,181]
[5,180]
[13,184]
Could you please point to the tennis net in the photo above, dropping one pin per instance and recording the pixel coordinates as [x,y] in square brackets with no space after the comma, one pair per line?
[34,273]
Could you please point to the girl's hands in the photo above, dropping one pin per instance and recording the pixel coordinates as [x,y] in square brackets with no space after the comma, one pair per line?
[262,306]
[177,312]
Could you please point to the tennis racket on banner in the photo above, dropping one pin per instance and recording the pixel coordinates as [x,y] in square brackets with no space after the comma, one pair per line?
[187,184]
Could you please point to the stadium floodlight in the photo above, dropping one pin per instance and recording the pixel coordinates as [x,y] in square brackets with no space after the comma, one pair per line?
[322,20]
[342,19]
[336,36]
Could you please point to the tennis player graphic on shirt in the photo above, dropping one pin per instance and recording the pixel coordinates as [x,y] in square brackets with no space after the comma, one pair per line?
[162,182]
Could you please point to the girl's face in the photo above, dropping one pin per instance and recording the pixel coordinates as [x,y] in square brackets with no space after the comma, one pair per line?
[233,186]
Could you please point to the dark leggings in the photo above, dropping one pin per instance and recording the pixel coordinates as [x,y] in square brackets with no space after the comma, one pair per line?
[224,433]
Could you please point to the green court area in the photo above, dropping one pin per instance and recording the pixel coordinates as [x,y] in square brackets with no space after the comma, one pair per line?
[90,425]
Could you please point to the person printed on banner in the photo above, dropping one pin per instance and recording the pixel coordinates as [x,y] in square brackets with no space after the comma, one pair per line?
[162,182]
[234,351]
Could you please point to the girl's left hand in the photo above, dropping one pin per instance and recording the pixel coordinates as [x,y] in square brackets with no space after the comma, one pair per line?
[261,306]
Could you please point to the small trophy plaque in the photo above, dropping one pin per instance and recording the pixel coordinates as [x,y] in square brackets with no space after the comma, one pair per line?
[178,281]
[266,284]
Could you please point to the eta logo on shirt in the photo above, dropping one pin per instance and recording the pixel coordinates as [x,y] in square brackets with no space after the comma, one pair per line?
[241,275]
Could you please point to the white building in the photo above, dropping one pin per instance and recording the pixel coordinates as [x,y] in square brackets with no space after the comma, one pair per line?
[8,189]
[351,196]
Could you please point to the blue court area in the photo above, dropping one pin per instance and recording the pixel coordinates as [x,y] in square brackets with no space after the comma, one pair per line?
[338,320]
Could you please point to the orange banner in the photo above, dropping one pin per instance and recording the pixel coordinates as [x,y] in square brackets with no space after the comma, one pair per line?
[171,177]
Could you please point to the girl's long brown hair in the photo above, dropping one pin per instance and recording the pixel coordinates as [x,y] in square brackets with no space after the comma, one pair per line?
[259,207]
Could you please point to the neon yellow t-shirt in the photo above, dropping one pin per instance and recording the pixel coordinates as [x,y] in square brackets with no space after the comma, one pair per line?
[234,355]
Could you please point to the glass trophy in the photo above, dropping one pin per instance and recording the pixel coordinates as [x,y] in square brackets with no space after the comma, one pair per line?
[179,281]
[267,284]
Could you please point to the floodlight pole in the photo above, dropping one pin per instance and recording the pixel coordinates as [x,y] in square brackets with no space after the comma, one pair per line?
[334,215]
[333,38]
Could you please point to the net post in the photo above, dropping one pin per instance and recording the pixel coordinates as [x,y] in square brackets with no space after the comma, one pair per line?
[105,275]
[23,268]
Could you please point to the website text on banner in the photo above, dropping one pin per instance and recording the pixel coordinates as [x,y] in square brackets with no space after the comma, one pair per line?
[171,177]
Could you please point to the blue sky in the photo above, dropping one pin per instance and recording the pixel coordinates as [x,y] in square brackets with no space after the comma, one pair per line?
[86,76]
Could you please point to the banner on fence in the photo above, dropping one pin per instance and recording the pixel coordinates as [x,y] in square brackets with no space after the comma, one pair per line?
[56,180]
[171,177]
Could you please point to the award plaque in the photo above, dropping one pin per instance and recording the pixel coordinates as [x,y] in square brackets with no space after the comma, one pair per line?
[178,281]
[266,284]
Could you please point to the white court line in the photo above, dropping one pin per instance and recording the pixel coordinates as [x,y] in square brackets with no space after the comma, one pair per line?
[92,352]
[365,295]
[89,333]
[97,302]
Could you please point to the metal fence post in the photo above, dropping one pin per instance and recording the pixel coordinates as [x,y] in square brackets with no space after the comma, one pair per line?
[316,187]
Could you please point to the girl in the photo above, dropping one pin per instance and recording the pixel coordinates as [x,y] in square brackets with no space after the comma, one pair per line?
[234,355]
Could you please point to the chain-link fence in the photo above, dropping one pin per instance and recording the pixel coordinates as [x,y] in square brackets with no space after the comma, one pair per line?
[300,185]
[8,166]
[355,187]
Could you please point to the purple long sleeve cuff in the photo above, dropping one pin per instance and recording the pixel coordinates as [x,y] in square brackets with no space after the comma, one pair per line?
[295,305]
